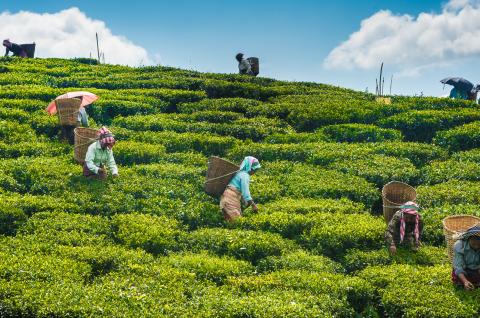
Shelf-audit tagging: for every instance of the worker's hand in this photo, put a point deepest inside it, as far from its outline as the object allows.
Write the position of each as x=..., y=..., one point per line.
x=254, y=207
x=115, y=175
x=101, y=171
x=393, y=249
x=468, y=286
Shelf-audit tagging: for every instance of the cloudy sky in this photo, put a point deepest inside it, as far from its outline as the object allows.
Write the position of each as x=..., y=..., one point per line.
x=336, y=42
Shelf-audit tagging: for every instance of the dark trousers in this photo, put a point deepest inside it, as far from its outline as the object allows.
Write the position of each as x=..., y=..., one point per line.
x=68, y=133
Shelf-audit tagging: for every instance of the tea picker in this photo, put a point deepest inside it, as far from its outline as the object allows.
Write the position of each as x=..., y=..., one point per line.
x=100, y=155
x=466, y=259
x=249, y=66
x=71, y=111
x=405, y=227
x=232, y=183
x=462, y=88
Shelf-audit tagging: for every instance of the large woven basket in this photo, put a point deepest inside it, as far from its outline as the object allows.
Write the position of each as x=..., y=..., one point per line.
x=454, y=225
x=395, y=194
x=84, y=137
x=29, y=49
x=67, y=109
x=255, y=65
x=219, y=174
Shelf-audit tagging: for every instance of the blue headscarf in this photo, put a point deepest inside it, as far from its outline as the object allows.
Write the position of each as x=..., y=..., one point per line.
x=473, y=231
x=249, y=164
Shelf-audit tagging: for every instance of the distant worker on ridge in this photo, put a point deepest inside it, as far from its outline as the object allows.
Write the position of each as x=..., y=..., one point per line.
x=244, y=66
x=16, y=49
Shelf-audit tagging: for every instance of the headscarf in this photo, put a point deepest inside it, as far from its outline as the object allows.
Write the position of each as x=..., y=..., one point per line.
x=473, y=231
x=250, y=163
x=411, y=208
x=105, y=137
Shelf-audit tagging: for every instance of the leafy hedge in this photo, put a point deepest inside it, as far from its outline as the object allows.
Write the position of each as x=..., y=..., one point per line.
x=421, y=125
x=247, y=245
x=464, y=137
x=360, y=133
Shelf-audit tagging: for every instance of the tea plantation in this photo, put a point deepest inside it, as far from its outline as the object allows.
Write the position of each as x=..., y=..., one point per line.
x=151, y=243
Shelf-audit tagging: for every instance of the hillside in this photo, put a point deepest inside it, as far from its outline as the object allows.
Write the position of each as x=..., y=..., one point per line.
x=151, y=243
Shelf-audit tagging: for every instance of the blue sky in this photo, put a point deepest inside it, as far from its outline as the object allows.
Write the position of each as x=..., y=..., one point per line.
x=292, y=38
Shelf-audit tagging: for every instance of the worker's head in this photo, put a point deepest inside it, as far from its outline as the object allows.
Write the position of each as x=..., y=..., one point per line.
x=410, y=211
x=474, y=242
x=250, y=165
x=7, y=43
x=239, y=56
x=106, y=138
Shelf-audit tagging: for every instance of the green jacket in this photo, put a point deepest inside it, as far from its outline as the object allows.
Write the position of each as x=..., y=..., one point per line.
x=97, y=157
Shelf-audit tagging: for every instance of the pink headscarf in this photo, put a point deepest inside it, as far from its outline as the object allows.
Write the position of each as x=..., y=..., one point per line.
x=106, y=138
x=411, y=208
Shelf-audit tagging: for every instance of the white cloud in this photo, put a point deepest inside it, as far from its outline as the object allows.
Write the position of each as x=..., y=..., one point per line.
x=70, y=33
x=412, y=42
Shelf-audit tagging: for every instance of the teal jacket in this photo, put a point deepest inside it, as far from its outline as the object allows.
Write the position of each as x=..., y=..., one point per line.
x=241, y=181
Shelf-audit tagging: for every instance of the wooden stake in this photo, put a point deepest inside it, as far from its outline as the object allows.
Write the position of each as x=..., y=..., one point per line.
x=98, y=50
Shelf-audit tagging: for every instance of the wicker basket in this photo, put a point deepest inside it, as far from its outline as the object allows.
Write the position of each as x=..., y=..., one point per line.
x=395, y=194
x=456, y=224
x=255, y=65
x=67, y=109
x=219, y=174
x=84, y=137
x=29, y=49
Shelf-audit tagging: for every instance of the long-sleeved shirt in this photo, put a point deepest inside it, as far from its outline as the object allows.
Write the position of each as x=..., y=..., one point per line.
x=392, y=234
x=83, y=117
x=465, y=257
x=244, y=67
x=96, y=157
x=241, y=181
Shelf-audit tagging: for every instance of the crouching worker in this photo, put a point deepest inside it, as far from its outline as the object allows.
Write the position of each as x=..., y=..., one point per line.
x=239, y=189
x=405, y=227
x=99, y=155
x=466, y=259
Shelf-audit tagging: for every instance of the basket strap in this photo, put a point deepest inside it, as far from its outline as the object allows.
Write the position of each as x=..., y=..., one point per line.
x=225, y=175
x=413, y=207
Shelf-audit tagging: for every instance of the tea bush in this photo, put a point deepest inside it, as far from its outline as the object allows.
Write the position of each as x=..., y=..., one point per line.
x=209, y=267
x=300, y=260
x=247, y=245
x=421, y=125
x=464, y=137
x=154, y=234
x=334, y=233
x=355, y=259
x=151, y=243
x=360, y=133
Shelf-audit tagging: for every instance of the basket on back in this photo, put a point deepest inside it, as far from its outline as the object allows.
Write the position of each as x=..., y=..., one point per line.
x=219, y=174
x=67, y=109
x=29, y=49
x=395, y=194
x=84, y=137
x=255, y=65
x=454, y=225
